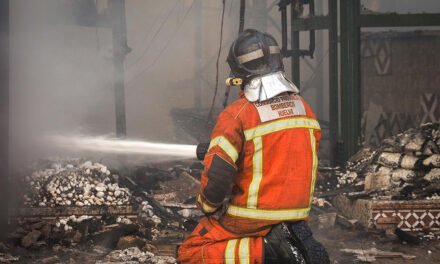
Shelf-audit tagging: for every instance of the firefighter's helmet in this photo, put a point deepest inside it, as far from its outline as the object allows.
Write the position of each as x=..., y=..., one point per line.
x=255, y=60
x=253, y=54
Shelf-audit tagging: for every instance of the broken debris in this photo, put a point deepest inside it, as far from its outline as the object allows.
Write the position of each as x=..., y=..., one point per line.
x=7, y=258
x=370, y=255
x=72, y=183
x=135, y=255
x=404, y=167
x=67, y=211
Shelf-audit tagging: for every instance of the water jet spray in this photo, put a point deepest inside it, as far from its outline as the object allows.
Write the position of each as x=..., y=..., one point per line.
x=124, y=146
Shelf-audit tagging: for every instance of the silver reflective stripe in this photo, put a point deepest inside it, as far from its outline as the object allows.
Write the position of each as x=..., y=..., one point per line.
x=243, y=251
x=262, y=214
x=256, y=54
x=279, y=125
x=257, y=174
x=226, y=146
x=274, y=49
x=230, y=251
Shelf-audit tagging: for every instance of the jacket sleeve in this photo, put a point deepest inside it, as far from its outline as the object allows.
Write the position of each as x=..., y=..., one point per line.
x=220, y=162
x=317, y=134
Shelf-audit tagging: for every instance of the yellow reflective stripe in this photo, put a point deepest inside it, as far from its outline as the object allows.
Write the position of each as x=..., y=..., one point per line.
x=262, y=214
x=279, y=125
x=206, y=208
x=257, y=163
x=230, y=252
x=227, y=147
x=243, y=251
x=314, y=164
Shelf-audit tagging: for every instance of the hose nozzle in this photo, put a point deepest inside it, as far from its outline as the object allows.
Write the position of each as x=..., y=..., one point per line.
x=202, y=149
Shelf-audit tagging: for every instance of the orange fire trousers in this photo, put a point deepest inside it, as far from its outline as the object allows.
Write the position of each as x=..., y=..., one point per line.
x=211, y=243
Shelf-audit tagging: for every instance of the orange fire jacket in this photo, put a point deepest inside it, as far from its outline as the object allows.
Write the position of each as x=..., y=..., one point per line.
x=263, y=154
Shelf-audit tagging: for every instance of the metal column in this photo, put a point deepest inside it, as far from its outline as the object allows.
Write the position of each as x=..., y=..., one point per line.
x=334, y=80
x=311, y=24
x=198, y=50
x=294, y=34
x=120, y=49
x=345, y=85
x=4, y=115
x=350, y=77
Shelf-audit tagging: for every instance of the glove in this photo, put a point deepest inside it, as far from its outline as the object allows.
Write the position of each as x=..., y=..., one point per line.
x=206, y=207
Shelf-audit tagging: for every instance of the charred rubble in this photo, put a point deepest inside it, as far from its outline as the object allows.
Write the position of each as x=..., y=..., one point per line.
x=74, y=205
x=79, y=211
x=388, y=195
x=83, y=184
x=404, y=167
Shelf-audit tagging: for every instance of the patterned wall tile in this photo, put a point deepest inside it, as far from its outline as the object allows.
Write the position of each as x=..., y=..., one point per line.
x=383, y=58
x=430, y=107
x=410, y=220
x=389, y=124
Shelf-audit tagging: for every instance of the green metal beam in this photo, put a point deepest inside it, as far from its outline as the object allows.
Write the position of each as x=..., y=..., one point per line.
x=399, y=20
x=345, y=123
x=350, y=76
x=295, y=47
x=311, y=23
x=345, y=92
x=333, y=80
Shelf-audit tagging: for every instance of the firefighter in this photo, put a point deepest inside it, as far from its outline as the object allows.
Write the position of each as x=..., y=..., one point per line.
x=260, y=169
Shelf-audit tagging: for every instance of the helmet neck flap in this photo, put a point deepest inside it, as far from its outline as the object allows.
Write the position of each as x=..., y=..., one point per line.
x=265, y=87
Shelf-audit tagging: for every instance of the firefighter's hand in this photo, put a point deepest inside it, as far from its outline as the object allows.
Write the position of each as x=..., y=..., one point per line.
x=207, y=208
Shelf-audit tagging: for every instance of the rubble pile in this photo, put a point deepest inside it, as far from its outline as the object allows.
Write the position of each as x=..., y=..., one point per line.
x=74, y=184
x=106, y=230
x=77, y=205
x=135, y=255
x=405, y=166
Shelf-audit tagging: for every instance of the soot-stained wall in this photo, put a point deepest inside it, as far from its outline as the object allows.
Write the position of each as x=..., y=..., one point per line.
x=400, y=82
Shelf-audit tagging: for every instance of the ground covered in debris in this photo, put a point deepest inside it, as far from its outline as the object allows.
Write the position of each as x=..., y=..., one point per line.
x=81, y=211
x=401, y=178
x=337, y=238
